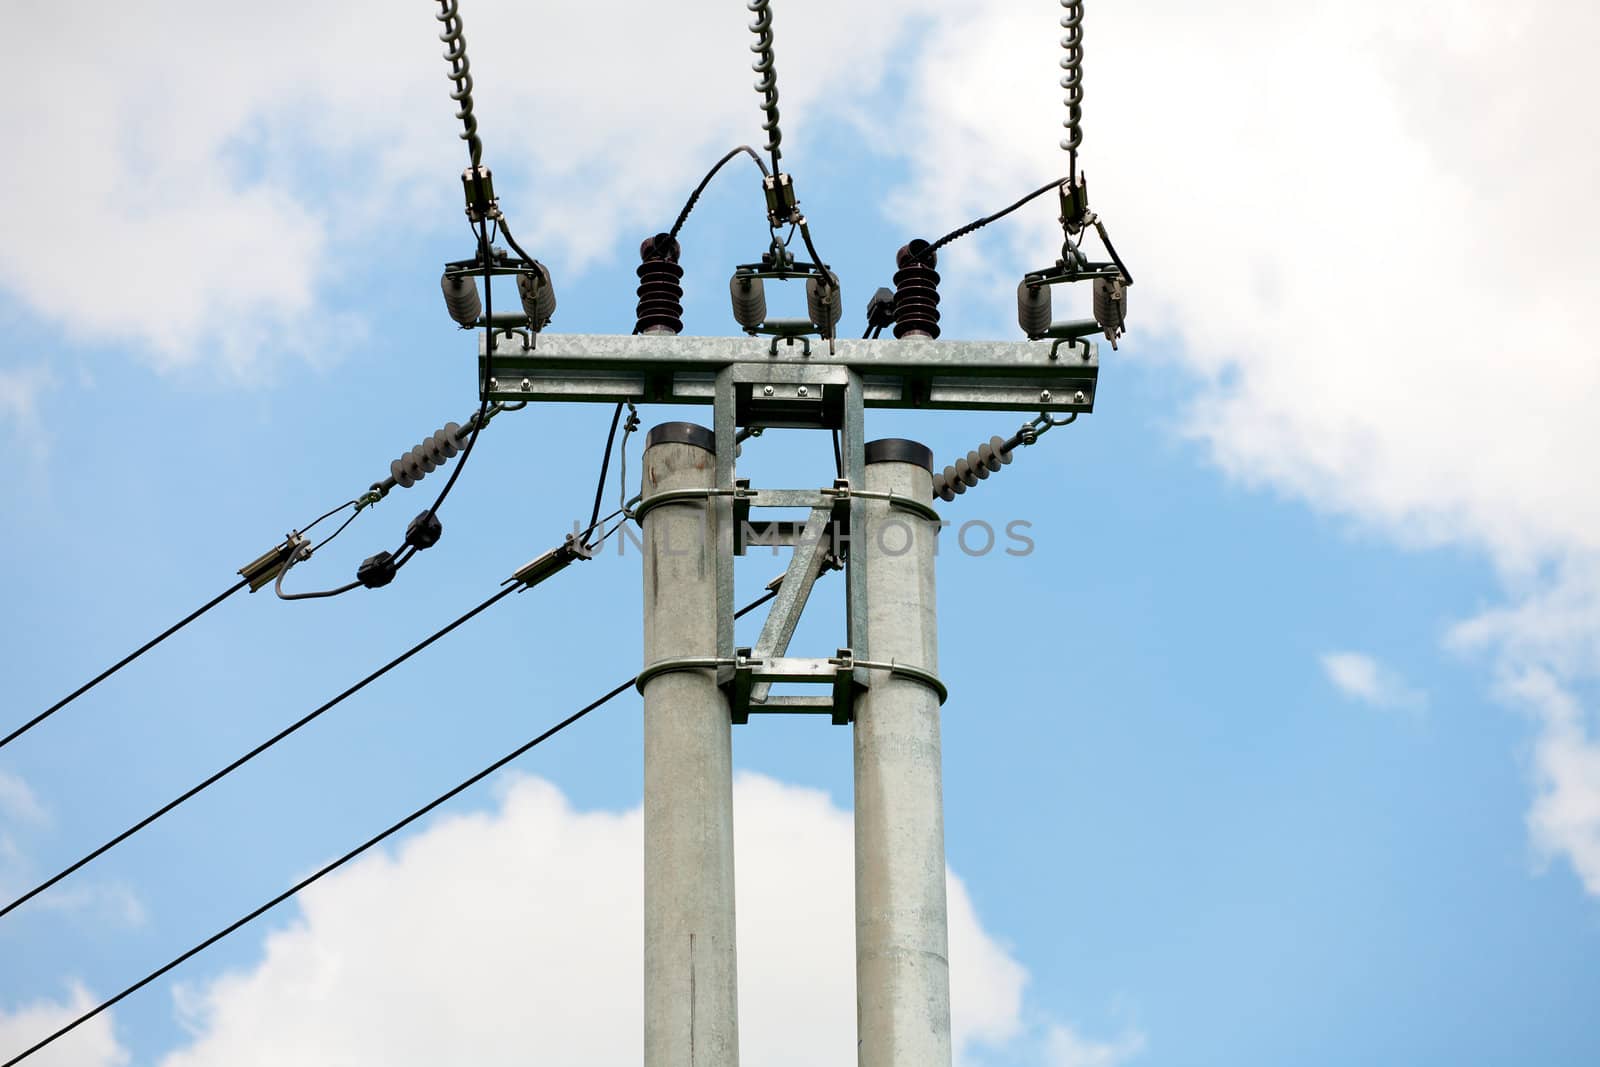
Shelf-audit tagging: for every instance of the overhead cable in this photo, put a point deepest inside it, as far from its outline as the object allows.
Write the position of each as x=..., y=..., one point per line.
x=449, y=794
x=325, y=870
x=123, y=662
x=528, y=576
x=683, y=216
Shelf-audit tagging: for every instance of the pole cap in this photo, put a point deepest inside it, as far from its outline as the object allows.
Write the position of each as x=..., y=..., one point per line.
x=683, y=433
x=899, y=450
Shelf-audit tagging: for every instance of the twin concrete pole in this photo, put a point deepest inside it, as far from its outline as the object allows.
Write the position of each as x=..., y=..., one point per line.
x=902, y=955
x=902, y=947
x=691, y=983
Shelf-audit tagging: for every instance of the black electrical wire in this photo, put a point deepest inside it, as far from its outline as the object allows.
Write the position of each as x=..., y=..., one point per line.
x=838, y=457
x=125, y=660
x=683, y=216
x=978, y=224
x=605, y=464
x=321, y=872
x=521, y=750
x=254, y=752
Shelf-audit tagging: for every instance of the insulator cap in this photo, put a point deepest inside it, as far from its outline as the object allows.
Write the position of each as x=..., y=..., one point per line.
x=1033, y=308
x=749, y=300
x=898, y=450
x=537, y=293
x=660, y=286
x=683, y=433
x=461, y=299
x=823, y=301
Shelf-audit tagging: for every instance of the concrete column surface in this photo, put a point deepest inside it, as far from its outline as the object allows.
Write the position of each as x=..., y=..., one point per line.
x=902, y=943
x=690, y=979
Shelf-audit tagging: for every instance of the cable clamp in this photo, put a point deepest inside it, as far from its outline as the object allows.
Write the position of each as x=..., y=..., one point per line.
x=783, y=207
x=678, y=664
x=270, y=564
x=554, y=561
x=915, y=674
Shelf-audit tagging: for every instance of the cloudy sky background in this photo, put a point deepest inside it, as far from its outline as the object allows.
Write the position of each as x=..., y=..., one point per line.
x=1283, y=743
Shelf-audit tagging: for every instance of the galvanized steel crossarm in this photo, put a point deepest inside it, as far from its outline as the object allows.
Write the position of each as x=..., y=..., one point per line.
x=902, y=373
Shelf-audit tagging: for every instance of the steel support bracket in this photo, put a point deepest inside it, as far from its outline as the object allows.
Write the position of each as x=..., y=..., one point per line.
x=837, y=672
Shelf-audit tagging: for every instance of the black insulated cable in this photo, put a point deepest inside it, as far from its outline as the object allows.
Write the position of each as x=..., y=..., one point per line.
x=683, y=216
x=524, y=578
x=125, y=660
x=978, y=224
x=327, y=869
x=376, y=839
x=213, y=779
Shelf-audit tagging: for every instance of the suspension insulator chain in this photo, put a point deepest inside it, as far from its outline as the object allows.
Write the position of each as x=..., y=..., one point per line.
x=971, y=469
x=427, y=457
x=1072, y=82
x=768, y=85
x=455, y=53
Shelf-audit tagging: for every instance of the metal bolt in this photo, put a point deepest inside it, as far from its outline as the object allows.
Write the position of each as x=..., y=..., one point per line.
x=1044, y=396
x=527, y=386
x=803, y=391
x=766, y=390
x=494, y=385
x=1080, y=397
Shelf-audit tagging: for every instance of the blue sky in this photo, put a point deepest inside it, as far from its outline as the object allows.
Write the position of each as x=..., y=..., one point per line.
x=1279, y=746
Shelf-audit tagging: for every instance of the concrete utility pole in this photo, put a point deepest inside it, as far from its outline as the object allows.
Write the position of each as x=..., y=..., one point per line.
x=691, y=1007
x=902, y=948
x=877, y=521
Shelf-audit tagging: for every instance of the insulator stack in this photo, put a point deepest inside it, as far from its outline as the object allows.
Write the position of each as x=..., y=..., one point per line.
x=916, y=291
x=1110, y=307
x=749, y=301
x=431, y=454
x=461, y=299
x=660, y=286
x=1033, y=308
x=971, y=469
x=823, y=302
x=538, y=294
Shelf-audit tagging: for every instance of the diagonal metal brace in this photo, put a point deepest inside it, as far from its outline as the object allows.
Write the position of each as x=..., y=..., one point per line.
x=811, y=554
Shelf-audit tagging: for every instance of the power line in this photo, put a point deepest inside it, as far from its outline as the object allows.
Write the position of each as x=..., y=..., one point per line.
x=683, y=216
x=618, y=690
x=526, y=577
x=216, y=777
x=614, y=692
x=124, y=661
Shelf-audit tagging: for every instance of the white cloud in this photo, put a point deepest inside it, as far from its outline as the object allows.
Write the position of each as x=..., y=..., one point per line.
x=20, y=389
x=18, y=802
x=1065, y=1047
x=1363, y=678
x=1367, y=227
x=91, y=1045
x=109, y=901
x=210, y=168
x=491, y=934
x=1367, y=230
